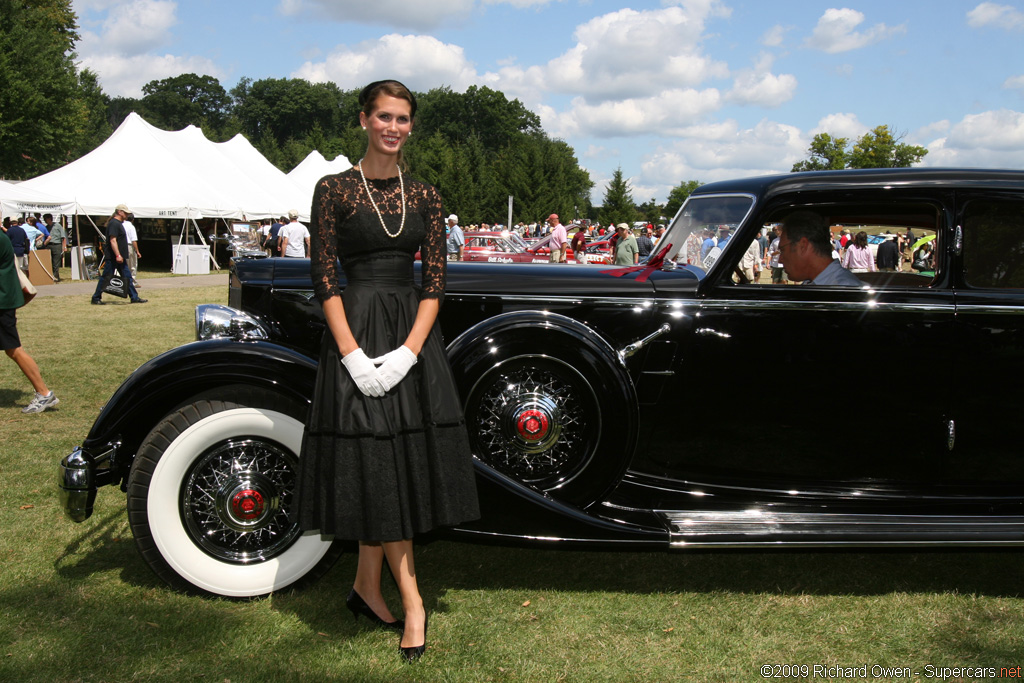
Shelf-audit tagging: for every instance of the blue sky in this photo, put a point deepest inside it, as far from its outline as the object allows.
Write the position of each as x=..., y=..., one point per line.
x=668, y=91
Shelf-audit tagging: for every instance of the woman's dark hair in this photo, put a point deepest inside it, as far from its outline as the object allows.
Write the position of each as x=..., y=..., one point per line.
x=861, y=240
x=368, y=97
x=369, y=94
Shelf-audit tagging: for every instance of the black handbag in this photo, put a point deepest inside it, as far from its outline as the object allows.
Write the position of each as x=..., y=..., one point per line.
x=115, y=284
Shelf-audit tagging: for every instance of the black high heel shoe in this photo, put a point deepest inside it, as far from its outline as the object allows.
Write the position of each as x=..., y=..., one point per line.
x=411, y=654
x=356, y=605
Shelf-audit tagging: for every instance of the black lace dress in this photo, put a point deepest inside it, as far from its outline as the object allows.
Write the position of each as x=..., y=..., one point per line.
x=382, y=469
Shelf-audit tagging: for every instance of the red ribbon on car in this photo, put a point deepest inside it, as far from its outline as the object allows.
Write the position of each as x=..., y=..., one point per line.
x=653, y=264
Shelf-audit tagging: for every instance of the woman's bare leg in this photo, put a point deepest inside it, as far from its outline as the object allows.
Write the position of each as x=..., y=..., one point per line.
x=367, y=583
x=399, y=556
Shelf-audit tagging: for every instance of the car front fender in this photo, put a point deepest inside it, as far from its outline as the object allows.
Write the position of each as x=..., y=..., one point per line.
x=161, y=384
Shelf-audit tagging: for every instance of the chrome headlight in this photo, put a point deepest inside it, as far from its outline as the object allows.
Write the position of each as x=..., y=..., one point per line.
x=214, y=321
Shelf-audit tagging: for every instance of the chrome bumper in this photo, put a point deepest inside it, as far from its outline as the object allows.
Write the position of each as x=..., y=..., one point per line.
x=80, y=474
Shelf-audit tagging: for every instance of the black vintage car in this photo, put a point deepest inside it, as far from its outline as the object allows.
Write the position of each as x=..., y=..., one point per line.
x=659, y=406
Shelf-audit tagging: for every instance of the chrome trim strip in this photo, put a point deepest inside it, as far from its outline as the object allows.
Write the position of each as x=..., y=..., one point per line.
x=678, y=545
x=849, y=306
x=982, y=309
x=687, y=527
x=614, y=541
x=644, y=302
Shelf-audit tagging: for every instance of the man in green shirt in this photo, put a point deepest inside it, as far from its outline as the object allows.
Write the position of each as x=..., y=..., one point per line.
x=57, y=243
x=626, y=251
x=11, y=298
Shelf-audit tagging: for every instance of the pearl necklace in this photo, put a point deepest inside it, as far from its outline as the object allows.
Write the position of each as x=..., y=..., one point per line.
x=401, y=183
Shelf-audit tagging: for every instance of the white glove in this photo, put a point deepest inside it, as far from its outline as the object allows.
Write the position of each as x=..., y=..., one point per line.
x=366, y=376
x=394, y=366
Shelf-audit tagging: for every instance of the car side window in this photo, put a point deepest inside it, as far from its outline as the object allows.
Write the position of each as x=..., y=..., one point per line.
x=890, y=245
x=994, y=243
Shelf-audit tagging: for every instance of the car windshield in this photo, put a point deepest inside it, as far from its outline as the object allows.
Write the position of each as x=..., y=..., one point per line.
x=703, y=227
x=518, y=241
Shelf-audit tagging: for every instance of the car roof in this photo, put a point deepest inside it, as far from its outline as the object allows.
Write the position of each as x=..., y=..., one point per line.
x=875, y=177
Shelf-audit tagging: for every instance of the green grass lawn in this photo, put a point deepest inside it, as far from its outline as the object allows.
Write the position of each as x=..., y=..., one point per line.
x=78, y=603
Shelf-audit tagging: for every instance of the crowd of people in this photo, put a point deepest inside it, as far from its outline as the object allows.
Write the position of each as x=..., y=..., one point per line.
x=37, y=232
x=896, y=252
x=627, y=245
x=285, y=237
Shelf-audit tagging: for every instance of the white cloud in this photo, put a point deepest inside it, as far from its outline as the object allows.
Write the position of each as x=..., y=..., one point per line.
x=1014, y=83
x=931, y=130
x=999, y=129
x=758, y=86
x=839, y=126
x=723, y=150
x=626, y=54
x=517, y=3
x=136, y=27
x=662, y=115
x=835, y=31
x=773, y=37
x=421, y=62
x=422, y=15
x=990, y=139
x=992, y=14
x=124, y=76
x=120, y=48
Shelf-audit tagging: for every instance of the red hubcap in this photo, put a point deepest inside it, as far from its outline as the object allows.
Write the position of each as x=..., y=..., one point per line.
x=247, y=504
x=532, y=425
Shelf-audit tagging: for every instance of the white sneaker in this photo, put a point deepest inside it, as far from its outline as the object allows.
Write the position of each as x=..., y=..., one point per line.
x=41, y=403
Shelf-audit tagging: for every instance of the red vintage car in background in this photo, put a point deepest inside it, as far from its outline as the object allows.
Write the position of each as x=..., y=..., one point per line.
x=495, y=246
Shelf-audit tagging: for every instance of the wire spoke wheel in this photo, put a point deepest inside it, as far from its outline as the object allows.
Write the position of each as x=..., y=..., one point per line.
x=536, y=419
x=236, y=500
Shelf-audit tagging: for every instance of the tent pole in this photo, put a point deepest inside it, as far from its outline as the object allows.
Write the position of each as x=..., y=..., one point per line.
x=200, y=233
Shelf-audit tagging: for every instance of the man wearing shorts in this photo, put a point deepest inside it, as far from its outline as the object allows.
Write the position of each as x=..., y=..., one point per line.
x=12, y=298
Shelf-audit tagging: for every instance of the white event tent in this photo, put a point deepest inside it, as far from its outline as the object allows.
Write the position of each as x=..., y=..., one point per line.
x=314, y=167
x=179, y=174
x=15, y=198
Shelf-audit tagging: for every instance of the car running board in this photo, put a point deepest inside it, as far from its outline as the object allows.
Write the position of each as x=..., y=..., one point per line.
x=758, y=528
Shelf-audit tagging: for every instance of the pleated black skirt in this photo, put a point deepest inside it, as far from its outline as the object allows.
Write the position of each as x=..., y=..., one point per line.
x=385, y=469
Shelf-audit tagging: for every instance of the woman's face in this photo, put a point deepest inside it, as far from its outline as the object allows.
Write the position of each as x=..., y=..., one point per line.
x=388, y=125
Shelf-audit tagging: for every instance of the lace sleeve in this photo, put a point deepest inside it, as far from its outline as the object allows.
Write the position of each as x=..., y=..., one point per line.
x=434, y=253
x=323, y=240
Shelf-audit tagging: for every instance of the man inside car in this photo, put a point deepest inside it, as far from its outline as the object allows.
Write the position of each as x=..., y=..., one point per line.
x=806, y=252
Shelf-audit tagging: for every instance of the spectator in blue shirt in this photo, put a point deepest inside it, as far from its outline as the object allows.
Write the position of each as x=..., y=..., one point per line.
x=19, y=241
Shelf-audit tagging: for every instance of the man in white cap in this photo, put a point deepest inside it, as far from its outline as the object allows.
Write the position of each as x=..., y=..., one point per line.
x=456, y=239
x=115, y=257
x=294, y=237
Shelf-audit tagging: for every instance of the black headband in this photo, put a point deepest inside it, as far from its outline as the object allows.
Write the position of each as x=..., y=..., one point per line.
x=364, y=95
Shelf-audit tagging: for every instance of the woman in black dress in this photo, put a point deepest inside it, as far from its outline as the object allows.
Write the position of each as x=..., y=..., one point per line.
x=385, y=453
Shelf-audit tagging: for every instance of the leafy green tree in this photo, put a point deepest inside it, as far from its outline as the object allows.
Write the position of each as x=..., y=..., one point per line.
x=92, y=120
x=826, y=153
x=479, y=112
x=285, y=109
x=40, y=98
x=879, y=148
x=118, y=109
x=174, y=103
x=650, y=211
x=618, y=200
x=678, y=195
